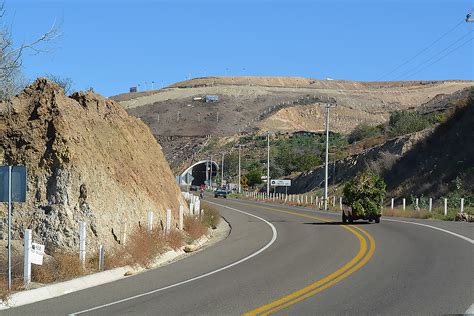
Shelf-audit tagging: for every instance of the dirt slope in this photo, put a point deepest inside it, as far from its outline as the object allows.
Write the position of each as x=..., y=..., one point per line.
x=87, y=160
x=280, y=104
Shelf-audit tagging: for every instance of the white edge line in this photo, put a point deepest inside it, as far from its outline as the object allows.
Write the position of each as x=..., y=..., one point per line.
x=470, y=310
x=274, y=231
x=433, y=227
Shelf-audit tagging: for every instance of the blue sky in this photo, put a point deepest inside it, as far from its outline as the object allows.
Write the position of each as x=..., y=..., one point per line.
x=112, y=45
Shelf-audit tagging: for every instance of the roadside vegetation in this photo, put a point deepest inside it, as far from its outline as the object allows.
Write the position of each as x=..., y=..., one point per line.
x=141, y=250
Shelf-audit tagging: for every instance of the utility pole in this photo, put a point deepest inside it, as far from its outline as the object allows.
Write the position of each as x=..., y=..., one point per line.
x=268, y=163
x=240, y=147
x=222, y=171
x=210, y=176
x=207, y=171
x=328, y=106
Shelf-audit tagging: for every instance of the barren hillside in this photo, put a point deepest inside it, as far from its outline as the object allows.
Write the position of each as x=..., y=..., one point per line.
x=87, y=160
x=280, y=104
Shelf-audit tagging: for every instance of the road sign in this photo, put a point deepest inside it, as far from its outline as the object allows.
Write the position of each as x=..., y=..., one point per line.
x=36, y=253
x=18, y=182
x=280, y=183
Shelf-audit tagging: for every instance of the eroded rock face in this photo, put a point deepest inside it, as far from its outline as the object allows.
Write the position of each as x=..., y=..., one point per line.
x=87, y=160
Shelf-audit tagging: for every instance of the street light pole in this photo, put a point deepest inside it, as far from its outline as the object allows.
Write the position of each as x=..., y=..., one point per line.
x=240, y=147
x=268, y=164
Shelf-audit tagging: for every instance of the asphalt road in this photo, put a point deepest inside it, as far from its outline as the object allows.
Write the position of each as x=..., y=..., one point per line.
x=294, y=261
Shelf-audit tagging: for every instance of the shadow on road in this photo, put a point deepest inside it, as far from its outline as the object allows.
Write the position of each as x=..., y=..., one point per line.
x=336, y=223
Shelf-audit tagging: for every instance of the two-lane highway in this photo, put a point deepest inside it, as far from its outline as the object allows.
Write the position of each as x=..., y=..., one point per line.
x=280, y=259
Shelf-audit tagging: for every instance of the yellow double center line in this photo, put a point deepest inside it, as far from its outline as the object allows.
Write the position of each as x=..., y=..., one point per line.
x=366, y=251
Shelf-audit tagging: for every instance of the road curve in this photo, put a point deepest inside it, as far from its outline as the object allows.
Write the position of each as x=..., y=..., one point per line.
x=307, y=264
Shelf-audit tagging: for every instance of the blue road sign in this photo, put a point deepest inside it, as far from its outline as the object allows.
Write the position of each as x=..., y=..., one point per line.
x=18, y=184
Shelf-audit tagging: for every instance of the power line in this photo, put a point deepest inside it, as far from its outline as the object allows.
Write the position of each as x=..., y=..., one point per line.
x=445, y=55
x=422, y=51
x=432, y=57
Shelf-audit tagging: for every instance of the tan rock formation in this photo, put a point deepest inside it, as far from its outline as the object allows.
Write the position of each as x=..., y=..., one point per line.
x=87, y=160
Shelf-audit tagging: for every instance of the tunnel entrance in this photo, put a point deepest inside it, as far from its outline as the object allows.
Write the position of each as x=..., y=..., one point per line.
x=198, y=171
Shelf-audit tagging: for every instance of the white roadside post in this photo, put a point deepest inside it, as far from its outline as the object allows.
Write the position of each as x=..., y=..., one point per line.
x=462, y=205
x=27, y=261
x=340, y=203
x=150, y=221
x=334, y=201
x=101, y=257
x=392, y=203
x=431, y=205
x=404, y=203
x=317, y=201
x=311, y=200
x=181, y=217
x=82, y=243
x=445, y=207
x=191, y=208
x=416, y=204
x=168, y=221
x=123, y=238
x=306, y=197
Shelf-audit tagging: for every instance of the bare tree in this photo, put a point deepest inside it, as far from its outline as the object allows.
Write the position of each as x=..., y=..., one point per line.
x=11, y=56
x=63, y=82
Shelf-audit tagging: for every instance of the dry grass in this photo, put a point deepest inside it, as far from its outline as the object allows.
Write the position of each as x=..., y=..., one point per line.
x=175, y=239
x=211, y=216
x=406, y=213
x=143, y=246
x=193, y=227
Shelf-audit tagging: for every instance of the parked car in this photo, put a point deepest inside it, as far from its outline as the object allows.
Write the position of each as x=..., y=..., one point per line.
x=220, y=192
x=193, y=187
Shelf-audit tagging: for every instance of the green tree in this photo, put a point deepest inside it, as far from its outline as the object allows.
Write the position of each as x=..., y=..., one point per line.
x=363, y=131
x=364, y=193
x=406, y=122
x=254, y=177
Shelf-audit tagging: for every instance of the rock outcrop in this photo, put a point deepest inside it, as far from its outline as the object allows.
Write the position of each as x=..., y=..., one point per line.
x=87, y=160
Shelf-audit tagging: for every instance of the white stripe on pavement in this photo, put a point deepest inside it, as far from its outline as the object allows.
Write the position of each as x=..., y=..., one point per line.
x=274, y=232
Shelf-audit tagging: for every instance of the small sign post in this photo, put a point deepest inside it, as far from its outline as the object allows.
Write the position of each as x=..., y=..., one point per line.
x=12, y=189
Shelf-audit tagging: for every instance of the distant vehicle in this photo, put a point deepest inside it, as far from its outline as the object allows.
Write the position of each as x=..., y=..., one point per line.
x=193, y=187
x=212, y=98
x=220, y=192
x=349, y=216
x=133, y=89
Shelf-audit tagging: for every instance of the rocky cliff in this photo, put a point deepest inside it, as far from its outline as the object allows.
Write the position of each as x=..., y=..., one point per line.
x=87, y=160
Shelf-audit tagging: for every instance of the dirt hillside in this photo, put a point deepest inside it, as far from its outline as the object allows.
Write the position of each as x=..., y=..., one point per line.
x=279, y=104
x=87, y=160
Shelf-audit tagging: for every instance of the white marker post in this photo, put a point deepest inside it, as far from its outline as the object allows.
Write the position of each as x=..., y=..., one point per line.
x=340, y=203
x=82, y=243
x=416, y=204
x=462, y=205
x=445, y=207
x=392, y=203
x=181, y=217
x=101, y=257
x=404, y=203
x=150, y=221
x=27, y=261
x=168, y=221
x=431, y=205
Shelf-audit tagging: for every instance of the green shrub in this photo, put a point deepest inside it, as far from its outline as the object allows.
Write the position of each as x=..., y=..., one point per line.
x=363, y=131
x=364, y=193
x=406, y=122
